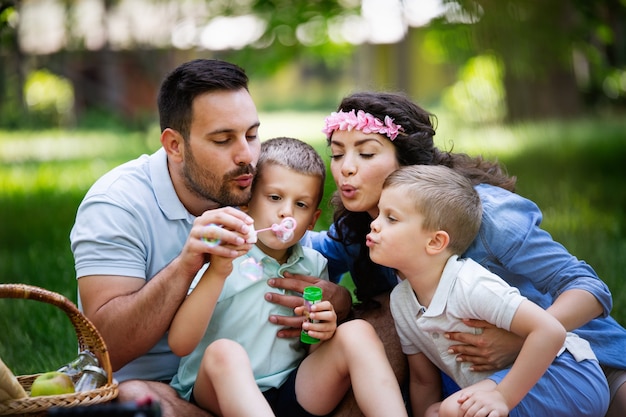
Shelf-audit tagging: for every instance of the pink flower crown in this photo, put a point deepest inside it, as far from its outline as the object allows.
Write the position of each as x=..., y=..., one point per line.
x=362, y=121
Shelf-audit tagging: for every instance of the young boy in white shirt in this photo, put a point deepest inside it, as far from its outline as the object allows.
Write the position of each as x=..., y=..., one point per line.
x=428, y=216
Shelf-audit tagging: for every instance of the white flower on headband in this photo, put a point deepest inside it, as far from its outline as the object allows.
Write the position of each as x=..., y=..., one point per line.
x=362, y=121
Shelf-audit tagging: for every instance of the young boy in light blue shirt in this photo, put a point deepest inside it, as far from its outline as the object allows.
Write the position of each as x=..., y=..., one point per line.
x=233, y=364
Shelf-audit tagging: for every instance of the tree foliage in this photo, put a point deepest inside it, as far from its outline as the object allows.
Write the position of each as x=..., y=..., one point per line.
x=556, y=54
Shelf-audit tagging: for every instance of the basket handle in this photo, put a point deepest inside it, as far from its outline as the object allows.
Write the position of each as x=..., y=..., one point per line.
x=86, y=333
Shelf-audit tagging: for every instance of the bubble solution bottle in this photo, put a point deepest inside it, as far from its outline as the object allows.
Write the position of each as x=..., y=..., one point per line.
x=311, y=296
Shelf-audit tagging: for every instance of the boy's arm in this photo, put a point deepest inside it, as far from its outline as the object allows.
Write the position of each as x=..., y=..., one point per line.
x=192, y=318
x=424, y=383
x=544, y=336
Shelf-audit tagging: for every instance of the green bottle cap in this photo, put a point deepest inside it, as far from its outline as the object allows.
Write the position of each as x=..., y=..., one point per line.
x=312, y=293
x=305, y=338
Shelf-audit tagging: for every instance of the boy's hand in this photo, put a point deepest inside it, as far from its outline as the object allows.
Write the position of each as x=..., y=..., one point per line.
x=483, y=403
x=324, y=315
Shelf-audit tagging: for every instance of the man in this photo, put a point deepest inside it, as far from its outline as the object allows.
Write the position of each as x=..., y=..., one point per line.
x=141, y=232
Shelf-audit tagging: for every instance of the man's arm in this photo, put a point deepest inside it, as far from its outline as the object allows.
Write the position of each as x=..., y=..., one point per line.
x=339, y=297
x=132, y=314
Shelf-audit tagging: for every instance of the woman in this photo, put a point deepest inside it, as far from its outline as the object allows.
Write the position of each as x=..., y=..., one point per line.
x=370, y=136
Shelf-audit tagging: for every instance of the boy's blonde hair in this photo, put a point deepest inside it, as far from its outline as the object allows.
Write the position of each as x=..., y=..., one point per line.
x=445, y=198
x=295, y=155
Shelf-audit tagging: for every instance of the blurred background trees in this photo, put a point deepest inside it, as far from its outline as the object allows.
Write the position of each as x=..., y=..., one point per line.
x=68, y=62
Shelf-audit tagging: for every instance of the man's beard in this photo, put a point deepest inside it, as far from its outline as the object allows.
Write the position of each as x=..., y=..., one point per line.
x=207, y=185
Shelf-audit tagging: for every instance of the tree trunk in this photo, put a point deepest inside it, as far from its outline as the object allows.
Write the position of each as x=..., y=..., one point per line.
x=532, y=40
x=553, y=96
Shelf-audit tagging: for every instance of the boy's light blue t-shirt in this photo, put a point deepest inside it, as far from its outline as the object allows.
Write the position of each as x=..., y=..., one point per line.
x=241, y=314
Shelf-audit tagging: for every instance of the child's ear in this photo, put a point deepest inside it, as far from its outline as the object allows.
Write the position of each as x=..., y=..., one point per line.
x=438, y=242
x=314, y=219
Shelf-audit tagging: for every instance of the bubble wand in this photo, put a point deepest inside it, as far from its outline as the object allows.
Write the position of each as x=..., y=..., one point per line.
x=252, y=269
x=284, y=230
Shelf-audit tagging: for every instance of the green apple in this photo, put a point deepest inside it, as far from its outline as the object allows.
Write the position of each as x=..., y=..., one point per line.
x=52, y=383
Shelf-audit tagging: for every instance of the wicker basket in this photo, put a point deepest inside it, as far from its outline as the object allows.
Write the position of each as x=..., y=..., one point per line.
x=88, y=339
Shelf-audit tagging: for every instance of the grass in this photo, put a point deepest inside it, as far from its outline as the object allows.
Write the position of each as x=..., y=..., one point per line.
x=574, y=171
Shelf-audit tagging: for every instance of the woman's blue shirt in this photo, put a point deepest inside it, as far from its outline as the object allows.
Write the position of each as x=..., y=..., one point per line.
x=511, y=244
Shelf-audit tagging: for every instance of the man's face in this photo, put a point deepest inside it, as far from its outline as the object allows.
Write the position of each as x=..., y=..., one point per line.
x=223, y=148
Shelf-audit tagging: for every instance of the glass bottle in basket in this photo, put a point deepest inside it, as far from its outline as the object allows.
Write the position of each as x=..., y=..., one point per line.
x=75, y=368
x=92, y=377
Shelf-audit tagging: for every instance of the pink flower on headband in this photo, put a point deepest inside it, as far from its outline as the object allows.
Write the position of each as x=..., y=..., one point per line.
x=362, y=121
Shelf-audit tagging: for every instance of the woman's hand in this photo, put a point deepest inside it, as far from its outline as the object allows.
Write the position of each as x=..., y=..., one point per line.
x=494, y=349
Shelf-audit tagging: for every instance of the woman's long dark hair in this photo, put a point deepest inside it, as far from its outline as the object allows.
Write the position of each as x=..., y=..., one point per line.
x=414, y=146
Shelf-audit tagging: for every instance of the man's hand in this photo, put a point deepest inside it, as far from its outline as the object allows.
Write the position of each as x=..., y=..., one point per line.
x=494, y=349
x=338, y=296
x=217, y=232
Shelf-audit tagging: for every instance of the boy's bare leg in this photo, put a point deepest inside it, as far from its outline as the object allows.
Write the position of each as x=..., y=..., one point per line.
x=171, y=404
x=225, y=383
x=354, y=356
x=382, y=321
x=224, y=361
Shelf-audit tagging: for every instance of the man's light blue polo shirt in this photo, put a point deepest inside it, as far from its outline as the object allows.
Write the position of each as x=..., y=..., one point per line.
x=131, y=223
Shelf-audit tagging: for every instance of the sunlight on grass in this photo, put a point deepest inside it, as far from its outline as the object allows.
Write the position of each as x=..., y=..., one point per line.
x=61, y=145
x=62, y=161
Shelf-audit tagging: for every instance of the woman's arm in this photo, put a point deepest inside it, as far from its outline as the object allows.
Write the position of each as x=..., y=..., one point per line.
x=575, y=308
x=339, y=259
x=512, y=245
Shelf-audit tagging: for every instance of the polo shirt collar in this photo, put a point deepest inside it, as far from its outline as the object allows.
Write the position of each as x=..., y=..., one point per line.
x=296, y=254
x=448, y=278
x=163, y=188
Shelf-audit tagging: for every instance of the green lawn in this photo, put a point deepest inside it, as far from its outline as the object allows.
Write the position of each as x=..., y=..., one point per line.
x=574, y=171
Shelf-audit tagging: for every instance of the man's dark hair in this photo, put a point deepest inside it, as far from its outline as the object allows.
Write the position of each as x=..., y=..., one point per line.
x=190, y=80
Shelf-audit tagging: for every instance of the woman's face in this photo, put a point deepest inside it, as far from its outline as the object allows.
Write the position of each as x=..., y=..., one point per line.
x=360, y=162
